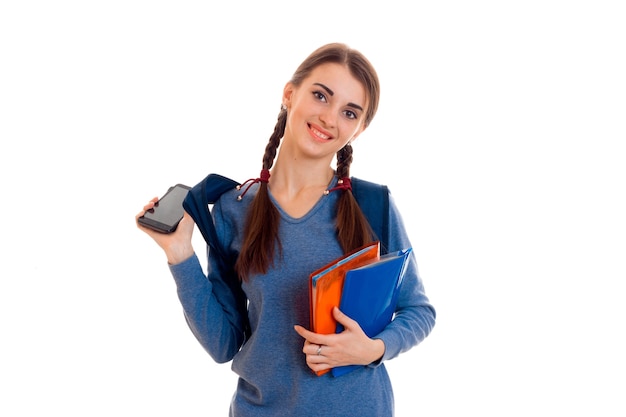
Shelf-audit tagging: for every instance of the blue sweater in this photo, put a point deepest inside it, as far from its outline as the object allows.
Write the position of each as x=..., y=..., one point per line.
x=274, y=379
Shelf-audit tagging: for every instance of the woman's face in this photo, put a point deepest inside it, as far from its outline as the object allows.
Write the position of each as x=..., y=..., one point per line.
x=325, y=112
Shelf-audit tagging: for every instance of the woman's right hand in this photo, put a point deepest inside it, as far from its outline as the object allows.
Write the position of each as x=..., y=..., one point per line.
x=177, y=245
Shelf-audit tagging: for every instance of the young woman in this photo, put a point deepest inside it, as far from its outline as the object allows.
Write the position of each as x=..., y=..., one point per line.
x=298, y=216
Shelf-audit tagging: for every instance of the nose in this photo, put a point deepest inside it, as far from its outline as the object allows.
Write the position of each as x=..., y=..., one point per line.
x=328, y=116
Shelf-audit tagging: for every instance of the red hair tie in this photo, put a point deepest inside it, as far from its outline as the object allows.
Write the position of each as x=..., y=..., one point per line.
x=265, y=178
x=342, y=184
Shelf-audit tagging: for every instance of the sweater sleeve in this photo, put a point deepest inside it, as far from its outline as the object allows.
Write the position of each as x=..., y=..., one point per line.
x=213, y=309
x=414, y=317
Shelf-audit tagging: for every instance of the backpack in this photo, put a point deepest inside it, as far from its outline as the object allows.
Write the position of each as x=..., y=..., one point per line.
x=372, y=198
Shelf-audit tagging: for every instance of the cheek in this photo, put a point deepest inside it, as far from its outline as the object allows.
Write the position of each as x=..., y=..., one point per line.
x=351, y=131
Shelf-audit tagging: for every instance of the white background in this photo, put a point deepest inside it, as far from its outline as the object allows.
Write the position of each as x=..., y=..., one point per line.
x=500, y=132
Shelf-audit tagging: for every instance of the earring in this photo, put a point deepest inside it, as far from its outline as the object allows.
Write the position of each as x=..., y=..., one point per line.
x=283, y=107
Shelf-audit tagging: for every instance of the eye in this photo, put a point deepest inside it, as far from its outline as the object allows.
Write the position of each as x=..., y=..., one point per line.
x=350, y=114
x=319, y=95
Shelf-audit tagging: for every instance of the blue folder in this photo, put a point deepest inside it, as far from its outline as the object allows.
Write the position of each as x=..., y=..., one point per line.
x=370, y=293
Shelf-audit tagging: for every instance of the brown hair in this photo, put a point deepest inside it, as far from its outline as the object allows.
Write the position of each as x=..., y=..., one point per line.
x=260, y=240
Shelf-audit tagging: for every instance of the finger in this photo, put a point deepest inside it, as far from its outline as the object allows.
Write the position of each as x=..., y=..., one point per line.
x=312, y=337
x=319, y=362
x=343, y=319
x=303, y=332
x=150, y=204
x=318, y=366
x=314, y=358
x=137, y=216
x=312, y=349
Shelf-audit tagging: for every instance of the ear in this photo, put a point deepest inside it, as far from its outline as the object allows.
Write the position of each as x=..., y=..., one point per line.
x=287, y=93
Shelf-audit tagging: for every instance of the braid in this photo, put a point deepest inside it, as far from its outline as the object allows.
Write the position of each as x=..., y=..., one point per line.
x=272, y=145
x=353, y=229
x=344, y=159
x=260, y=236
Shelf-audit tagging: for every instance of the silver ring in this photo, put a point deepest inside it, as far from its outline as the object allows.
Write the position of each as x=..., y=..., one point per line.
x=319, y=350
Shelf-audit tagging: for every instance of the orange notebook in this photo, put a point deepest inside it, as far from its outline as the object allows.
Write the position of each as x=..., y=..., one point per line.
x=326, y=284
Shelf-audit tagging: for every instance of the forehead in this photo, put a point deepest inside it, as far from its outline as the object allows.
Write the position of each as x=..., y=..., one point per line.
x=340, y=80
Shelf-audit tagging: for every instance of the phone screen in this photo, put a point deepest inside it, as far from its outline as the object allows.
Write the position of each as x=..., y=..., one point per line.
x=168, y=211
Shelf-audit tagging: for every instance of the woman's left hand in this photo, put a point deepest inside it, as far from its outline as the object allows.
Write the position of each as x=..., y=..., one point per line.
x=350, y=347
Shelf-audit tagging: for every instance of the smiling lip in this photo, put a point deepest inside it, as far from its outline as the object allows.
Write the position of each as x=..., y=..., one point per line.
x=319, y=133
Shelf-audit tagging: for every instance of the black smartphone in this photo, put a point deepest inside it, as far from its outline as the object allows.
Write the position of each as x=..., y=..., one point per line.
x=168, y=211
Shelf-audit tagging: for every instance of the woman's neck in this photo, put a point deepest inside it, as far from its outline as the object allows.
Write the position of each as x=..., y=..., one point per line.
x=291, y=177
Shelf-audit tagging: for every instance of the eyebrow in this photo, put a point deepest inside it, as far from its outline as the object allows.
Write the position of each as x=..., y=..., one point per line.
x=332, y=93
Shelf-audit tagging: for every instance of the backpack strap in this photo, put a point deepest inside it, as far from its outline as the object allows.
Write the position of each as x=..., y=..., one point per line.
x=372, y=198
x=206, y=192
x=196, y=203
x=374, y=202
